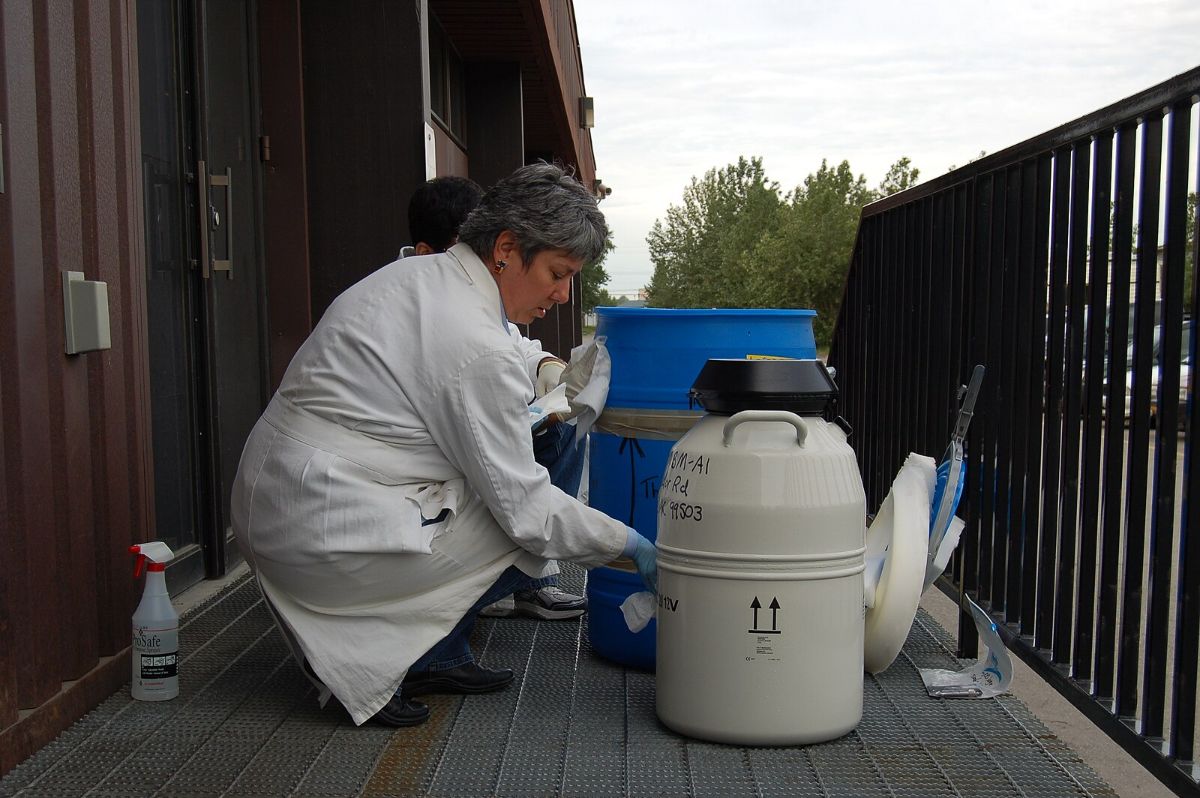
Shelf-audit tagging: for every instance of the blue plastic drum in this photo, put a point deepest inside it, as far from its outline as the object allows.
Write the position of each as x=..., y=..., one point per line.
x=656, y=355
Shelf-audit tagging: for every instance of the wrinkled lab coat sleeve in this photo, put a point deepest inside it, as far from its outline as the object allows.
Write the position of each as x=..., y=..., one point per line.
x=531, y=350
x=486, y=436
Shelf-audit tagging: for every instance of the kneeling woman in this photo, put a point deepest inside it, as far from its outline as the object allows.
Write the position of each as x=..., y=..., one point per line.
x=389, y=490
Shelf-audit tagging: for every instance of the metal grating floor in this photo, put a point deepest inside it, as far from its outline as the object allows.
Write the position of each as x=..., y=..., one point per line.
x=246, y=723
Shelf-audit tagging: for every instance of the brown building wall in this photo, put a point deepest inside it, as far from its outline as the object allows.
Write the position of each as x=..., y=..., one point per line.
x=364, y=127
x=347, y=127
x=73, y=470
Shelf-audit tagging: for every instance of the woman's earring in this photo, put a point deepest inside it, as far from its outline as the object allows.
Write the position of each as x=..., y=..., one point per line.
x=501, y=266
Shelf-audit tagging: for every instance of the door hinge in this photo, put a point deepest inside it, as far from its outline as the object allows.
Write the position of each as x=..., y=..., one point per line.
x=264, y=148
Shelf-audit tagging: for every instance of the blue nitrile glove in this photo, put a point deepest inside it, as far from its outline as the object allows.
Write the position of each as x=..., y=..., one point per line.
x=644, y=556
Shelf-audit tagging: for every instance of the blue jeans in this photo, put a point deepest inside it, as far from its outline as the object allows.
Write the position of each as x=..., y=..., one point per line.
x=454, y=649
x=556, y=451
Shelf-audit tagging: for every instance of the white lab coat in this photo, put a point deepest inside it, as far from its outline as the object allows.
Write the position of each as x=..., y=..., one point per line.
x=409, y=398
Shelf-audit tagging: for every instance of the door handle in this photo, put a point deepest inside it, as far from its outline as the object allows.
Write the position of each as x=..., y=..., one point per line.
x=210, y=219
x=226, y=182
x=202, y=208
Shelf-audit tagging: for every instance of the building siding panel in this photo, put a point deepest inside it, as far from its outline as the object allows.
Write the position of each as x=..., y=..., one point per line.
x=73, y=438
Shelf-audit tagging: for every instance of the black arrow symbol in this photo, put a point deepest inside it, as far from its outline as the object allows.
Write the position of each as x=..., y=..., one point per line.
x=774, y=610
x=754, y=605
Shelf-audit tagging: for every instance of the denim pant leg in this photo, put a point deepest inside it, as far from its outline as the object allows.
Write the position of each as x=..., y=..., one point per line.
x=557, y=452
x=454, y=649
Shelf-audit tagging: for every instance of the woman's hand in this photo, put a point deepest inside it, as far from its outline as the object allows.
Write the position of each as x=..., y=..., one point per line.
x=549, y=374
x=644, y=556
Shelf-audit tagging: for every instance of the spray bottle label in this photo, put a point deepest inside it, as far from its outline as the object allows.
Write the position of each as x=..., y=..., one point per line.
x=156, y=652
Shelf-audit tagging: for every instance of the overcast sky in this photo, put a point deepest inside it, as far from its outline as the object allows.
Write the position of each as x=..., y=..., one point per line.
x=682, y=87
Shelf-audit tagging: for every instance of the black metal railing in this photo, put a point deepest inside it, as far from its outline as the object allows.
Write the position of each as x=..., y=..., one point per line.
x=1061, y=265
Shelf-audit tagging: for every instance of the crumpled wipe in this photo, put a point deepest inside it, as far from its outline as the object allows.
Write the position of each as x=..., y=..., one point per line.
x=587, y=377
x=987, y=677
x=553, y=402
x=639, y=609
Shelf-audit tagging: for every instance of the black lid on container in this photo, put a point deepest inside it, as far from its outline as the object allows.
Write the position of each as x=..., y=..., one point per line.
x=728, y=386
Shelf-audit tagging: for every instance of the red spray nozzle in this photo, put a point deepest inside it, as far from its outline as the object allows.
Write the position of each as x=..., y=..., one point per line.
x=157, y=552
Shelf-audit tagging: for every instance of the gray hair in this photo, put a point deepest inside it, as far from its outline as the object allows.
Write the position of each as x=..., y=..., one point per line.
x=545, y=208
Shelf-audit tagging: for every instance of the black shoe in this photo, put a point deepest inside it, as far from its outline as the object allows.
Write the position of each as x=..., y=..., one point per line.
x=469, y=678
x=401, y=711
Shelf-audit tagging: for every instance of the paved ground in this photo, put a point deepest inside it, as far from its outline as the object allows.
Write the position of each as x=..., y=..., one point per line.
x=246, y=723
x=1121, y=771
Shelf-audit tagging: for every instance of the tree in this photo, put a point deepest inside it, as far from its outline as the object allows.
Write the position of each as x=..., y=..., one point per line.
x=902, y=175
x=735, y=242
x=803, y=261
x=696, y=250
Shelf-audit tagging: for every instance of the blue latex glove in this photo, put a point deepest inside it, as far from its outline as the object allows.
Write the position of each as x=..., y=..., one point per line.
x=644, y=556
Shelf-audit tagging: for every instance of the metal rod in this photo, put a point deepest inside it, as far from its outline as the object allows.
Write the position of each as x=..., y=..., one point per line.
x=1089, y=502
x=1064, y=609
x=1139, y=421
x=1162, y=519
x=1107, y=659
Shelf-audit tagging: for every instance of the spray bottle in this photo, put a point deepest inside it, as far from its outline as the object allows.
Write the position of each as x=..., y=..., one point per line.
x=155, y=628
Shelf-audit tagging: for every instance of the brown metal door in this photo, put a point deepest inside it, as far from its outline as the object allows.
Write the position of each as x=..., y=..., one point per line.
x=204, y=272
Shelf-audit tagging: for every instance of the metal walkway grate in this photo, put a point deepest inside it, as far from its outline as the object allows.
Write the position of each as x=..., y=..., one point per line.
x=246, y=724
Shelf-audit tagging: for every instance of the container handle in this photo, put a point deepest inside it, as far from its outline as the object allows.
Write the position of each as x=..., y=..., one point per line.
x=765, y=415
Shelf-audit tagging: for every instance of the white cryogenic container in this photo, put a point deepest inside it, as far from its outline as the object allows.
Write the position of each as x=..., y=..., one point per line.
x=761, y=545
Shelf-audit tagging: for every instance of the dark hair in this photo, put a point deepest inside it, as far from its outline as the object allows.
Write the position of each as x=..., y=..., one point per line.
x=545, y=208
x=437, y=209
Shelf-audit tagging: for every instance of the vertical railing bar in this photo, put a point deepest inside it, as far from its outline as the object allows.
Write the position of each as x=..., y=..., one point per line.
x=985, y=418
x=903, y=418
x=998, y=426
x=955, y=310
x=1187, y=650
x=887, y=244
x=1064, y=607
x=1040, y=259
x=1052, y=431
x=906, y=291
x=1137, y=482
x=941, y=333
x=918, y=323
x=1162, y=519
x=959, y=336
x=867, y=379
x=925, y=320
x=975, y=319
x=893, y=244
x=1108, y=660
x=1009, y=479
x=1084, y=659
x=894, y=314
x=997, y=345
x=1022, y=224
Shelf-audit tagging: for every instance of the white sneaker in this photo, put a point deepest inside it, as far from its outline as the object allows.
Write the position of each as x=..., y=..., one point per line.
x=549, y=604
x=504, y=608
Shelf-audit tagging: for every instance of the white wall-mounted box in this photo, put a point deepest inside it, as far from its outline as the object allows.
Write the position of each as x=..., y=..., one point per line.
x=85, y=314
